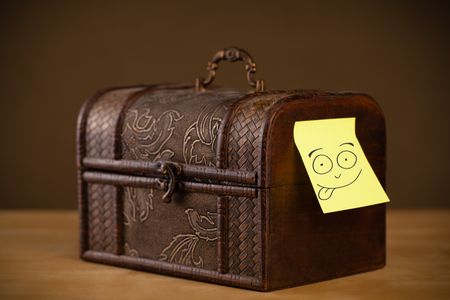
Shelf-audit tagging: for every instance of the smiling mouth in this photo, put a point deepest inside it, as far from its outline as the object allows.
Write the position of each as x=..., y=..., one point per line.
x=325, y=193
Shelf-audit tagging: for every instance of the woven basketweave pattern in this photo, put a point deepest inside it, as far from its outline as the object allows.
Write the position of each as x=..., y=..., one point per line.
x=101, y=123
x=100, y=140
x=101, y=218
x=244, y=153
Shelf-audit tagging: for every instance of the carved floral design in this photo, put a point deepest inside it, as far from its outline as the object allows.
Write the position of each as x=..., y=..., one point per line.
x=146, y=136
x=130, y=251
x=139, y=203
x=199, y=141
x=181, y=249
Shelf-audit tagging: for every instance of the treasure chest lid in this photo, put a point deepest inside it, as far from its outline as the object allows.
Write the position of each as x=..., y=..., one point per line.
x=197, y=132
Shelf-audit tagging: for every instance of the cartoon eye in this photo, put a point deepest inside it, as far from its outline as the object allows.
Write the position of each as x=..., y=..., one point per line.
x=322, y=164
x=346, y=159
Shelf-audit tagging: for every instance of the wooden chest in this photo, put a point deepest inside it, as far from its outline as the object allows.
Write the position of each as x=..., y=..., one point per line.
x=206, y=183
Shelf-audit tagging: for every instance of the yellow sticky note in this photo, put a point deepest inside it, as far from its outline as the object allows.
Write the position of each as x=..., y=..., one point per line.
x=340, y=174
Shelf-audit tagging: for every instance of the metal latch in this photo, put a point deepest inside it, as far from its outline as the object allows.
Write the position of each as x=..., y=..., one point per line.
x=171, y=170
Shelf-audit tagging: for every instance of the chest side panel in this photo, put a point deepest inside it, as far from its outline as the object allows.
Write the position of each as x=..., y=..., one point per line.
x=306, y=245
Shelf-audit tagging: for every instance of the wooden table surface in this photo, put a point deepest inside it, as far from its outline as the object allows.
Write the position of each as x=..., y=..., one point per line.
x=39, y=260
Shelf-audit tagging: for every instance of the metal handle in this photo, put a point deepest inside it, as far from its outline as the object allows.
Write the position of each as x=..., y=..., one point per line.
x=231, y=55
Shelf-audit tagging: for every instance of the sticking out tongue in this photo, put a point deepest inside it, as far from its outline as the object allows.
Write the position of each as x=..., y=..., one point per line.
x=325, y=193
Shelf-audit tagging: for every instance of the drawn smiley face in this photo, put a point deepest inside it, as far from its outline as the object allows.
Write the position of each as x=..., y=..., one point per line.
x=335, y=170
x=336, y=164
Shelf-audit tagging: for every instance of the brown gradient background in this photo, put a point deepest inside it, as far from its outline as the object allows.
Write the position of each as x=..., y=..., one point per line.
x=54, y=54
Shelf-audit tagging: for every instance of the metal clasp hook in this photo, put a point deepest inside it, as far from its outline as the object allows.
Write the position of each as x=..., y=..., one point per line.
x=170, y=169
